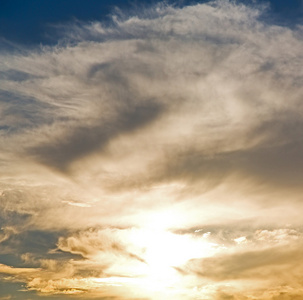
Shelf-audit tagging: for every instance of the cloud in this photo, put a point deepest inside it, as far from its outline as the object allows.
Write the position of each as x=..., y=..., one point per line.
x=93, y=93
x=92, y=243
x=13, y=271
x=241, y=270
x=82, y=141
x=186, y=120
x=6, y=298
x=258, y=264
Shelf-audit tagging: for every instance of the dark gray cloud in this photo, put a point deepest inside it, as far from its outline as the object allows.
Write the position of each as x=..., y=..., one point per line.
x=269, y=165
x=81, y=141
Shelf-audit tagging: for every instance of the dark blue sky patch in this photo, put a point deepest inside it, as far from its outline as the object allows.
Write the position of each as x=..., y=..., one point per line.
x=36, y=243
x=30, y=22
x=10, y=259
x=10, y=218
x=283, y=13
x=17, y=291
x=13, y=288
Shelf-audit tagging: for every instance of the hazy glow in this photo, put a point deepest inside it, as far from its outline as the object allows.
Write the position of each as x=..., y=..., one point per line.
x=165, y=250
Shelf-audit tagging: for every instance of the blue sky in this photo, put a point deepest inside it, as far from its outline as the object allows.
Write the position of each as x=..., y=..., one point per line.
x=30, y=21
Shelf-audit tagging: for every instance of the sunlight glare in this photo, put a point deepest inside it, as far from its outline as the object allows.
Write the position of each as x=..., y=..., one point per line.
x=165, y=250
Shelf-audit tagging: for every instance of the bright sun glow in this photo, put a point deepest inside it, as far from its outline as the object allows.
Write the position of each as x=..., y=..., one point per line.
x=166, y=250
x=162, y=254
x=163, y=251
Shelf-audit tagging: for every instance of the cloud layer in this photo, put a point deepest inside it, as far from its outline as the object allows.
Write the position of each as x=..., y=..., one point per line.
x=174, y=124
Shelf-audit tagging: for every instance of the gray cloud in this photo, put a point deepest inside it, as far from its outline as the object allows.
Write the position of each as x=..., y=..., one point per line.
x=258, y=264
x=82, y=141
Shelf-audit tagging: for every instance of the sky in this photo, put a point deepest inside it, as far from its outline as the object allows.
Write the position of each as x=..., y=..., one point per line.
x=151, y=150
